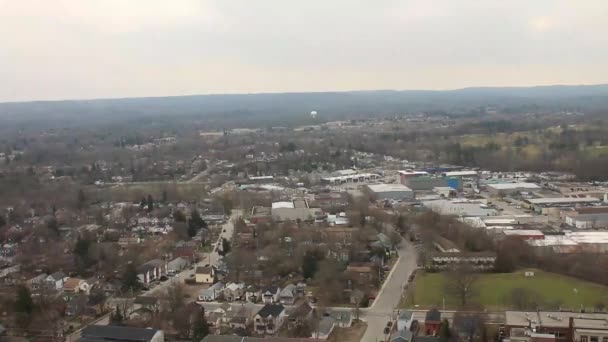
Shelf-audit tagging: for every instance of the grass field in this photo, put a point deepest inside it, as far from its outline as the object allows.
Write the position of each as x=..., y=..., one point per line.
x=493, y=290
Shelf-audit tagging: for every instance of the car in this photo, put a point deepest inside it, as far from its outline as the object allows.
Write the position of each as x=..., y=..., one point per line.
x=163, y=278
x=191, y=276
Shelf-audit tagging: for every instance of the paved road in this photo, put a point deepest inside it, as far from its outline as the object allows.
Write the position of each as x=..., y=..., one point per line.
x=389, y=296
x=212, y=258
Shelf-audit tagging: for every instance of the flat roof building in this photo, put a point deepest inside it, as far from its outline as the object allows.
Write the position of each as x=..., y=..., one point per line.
x=390, y=191
x=499, y=189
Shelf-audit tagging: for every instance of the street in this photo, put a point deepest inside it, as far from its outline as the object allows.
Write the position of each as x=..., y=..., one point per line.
x=390, y=294
x=212, y=258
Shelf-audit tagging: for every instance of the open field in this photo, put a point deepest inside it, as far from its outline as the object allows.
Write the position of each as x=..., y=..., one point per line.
x=493, y=291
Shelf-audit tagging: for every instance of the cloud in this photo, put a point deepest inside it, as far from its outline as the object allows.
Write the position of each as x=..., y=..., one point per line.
x=99, y=48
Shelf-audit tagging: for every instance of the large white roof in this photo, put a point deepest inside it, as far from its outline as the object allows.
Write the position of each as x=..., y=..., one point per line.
x=563, y=200
x=277, y=205
x=510, y=186
x=388, y=187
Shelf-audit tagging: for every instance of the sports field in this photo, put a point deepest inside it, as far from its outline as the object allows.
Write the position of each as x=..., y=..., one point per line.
x=493, y=291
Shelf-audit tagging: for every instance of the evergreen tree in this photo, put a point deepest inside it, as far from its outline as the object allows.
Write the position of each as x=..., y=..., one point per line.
x=130, y=281
x=198, y=220
x=53, y=226
x=444, y=331
x=200, y=328
x=24, y=303
x=179, y=216
x=142, y=203
x=150, y=203
x=81, y=200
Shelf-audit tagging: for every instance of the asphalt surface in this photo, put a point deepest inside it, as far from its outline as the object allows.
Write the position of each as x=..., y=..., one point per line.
x=382, y=309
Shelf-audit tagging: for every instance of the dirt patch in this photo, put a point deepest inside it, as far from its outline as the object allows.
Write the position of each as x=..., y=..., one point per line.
x=352, y=334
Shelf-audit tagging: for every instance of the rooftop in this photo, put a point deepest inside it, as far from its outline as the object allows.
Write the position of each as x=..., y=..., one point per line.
x=116, y=333
x=563, y=200
x=512, y=186
x=388, y=187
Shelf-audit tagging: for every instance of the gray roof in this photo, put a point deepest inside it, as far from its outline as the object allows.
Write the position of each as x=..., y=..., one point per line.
x=116, y=333
x=326, y=325
x=58, y=275
x=403, y=335
x=405, y=315
x=273, y=310
x=433, y=315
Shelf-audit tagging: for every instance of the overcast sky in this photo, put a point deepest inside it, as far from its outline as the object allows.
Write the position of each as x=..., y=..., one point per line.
x=69, y=49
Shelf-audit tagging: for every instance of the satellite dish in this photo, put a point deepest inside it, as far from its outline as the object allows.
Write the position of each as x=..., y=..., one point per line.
x=313, y=114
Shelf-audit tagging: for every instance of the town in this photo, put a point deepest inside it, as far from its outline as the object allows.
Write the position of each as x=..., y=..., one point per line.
x=284, y=233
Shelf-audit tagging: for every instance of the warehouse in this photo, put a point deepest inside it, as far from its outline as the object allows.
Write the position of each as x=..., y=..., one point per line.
x=588, y=221
x=396, y=192
x=501, y=189
x=459, y=208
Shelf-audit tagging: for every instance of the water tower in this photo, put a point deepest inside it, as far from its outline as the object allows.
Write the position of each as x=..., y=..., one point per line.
x=313, y=114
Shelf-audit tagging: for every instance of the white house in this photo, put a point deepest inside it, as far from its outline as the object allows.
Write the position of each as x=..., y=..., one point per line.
x=56, y=280
x=212, y=293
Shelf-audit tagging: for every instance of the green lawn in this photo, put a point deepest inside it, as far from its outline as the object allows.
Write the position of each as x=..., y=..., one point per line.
x=493, y=290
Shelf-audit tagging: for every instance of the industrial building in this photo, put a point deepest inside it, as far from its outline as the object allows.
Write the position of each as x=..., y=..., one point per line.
x=396, y=192
x=588, y=221
x=352, y=178
x=427, y=183
x=294, y=210
x=502, y=189
x=459, y=208
x=553, y=205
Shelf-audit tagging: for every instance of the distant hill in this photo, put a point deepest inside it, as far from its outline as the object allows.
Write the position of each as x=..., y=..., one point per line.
x=331, y=105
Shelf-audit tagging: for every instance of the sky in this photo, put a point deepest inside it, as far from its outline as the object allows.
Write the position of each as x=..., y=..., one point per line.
x=77, y=49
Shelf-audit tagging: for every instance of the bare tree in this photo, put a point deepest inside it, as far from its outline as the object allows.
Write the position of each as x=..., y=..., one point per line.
x=460, y=283
x=469, y=325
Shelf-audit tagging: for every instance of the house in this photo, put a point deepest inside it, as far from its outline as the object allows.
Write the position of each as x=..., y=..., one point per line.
x=253, y=293
x=298, y=315
x=204, y=275
x=55, y=281
x=146, y=302
x=211, y=293
x=100, y=333
x=177, y=264
x=35, y=283
x=270, y=295
x=402, y=336
x=288, y=295
x=432, y=322
x=325, y=327
x=361, y=271
x=234, y=291
x=79, y=305
x=151, y=270
x=404, y=321
x=186, y=252
x=344, y=318
x=240, y=317
x=76, y=285
x=269, y=319
x=7, y=268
